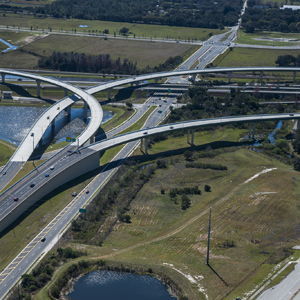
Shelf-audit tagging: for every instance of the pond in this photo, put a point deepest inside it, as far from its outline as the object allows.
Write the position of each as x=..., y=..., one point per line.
x=111, y=285
x=16, y=121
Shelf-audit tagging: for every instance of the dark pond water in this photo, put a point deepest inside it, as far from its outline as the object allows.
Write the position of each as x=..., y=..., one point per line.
x=110, y=285
x=16, y=121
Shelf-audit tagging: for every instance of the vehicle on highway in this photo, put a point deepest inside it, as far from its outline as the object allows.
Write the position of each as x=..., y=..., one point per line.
x=46, y=175
x=159, y=111
x=171, y=127
x=291, y=114
x=52, y=168
x=165, y=101
x=32, y=185
x=43, y=239
x=4, y=173
x=16, y=199
x=145, y=132
x=87, y=191
x=190, y=78
x=74, y=194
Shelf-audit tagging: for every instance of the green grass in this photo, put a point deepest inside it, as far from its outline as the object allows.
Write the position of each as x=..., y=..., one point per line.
x=251, y=38
x=140, y=30
x=247, y=57
x=17, y=38
x=136, y=51
x=6, y=151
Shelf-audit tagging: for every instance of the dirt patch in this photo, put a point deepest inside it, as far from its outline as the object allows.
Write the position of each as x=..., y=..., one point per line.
x=30, y=39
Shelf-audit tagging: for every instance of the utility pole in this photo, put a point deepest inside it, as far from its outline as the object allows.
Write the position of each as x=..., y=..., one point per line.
x=208, y=238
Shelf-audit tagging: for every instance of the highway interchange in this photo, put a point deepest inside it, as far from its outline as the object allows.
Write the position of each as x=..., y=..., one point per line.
x=62, y=160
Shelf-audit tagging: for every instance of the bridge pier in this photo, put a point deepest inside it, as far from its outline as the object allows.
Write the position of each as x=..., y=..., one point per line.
x=38, y=88
x=251, y=128
x=53, y=125
x=68, y=110
x=194, y=77
x=294, y=75
x=66, y=92
x=261, y=75
x=144, y=142
x=3, y=77
x=92, y=139
x=229, y=77
x=108, y=93
x=85, y=111
x=156, y=80
x=190, y=132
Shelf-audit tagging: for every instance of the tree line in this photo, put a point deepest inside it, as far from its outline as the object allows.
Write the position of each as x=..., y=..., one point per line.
x=288, y=60
x=272, y=19
x=102, y=63
x=188, y=13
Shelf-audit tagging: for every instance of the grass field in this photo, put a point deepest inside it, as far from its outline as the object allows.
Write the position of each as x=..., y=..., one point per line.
x=251, y=38
x=136, y=51
x=246, y=57
x=140, y=30
x=6, y=151
x=167, y=239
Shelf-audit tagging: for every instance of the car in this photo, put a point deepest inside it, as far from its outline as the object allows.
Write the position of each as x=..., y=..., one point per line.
x=87, y=191
x=19, y=79
x=159, y=105
x=52, y=168
x=16, y=199
x=46, y=175
x=165, y=101
x=74, y=194
x=171, y=127
x=32, y=185
x=4, y=173
x=159, y=98
x=145, y=132
x=43, y=239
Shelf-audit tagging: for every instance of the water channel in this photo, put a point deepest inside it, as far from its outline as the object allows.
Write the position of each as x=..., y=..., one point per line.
x=111, y=285
x=10, y=46
x=16, y=121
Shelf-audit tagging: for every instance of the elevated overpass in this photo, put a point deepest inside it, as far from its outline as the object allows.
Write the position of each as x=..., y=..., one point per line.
x=87, y=158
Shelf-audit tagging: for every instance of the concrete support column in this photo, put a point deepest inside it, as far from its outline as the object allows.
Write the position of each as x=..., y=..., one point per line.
x=108, y=93
x=298, y=124
x=146, y=145
x=294, y=75
x=3, y=77
x=253, y=132
x=194, y=77
x=250, y=126
x=85, y=111
x=53, y=125
x=141, y=146
x=92, y=139
x=261, y=75
x=68, y=110
x=38, y=88
x=229, y=77
x=193, y=131
x=66, y=92
x=156, y=80
x=188, y=136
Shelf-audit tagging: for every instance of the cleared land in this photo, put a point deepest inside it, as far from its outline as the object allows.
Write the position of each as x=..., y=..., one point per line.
x=252, y=38
x=144, y=53
x=140, y=30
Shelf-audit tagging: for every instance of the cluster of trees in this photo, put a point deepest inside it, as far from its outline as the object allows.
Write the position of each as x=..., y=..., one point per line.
x=272, y=19
x=185, y=202
x=80, y=62
x=123, y=217
x=185, y=191
x=203, y=105
x=102, y=63
x=43, y=272
x=205, y=166
x=288, y=60
x=188, y=13
x=227, y=244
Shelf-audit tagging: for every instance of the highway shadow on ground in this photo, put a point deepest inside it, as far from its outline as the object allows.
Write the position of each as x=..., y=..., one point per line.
x=70, y=187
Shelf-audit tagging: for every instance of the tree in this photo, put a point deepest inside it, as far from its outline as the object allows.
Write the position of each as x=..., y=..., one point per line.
x=297, y=164
x=185, y=202
x=188, y=154
x=129, y=105
x=124, y=30
x=207, y=188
